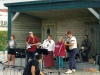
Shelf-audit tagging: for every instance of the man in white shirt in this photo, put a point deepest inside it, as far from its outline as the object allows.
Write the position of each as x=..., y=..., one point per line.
x=72, y=47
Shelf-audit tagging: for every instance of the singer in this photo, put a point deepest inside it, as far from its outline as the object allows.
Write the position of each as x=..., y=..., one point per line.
x=49, y=45
x=11, y=51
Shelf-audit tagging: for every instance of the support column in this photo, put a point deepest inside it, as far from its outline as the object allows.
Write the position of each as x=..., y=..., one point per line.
x=9, y=23
x=99, y=38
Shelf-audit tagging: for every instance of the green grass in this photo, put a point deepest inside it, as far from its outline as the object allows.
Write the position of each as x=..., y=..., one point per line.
x=3, y=40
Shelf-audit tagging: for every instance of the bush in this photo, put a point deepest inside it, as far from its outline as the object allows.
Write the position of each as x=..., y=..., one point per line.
x=3, y=40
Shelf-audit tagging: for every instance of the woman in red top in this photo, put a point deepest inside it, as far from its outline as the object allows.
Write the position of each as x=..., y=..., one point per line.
x=59, y=53
x=32, y=41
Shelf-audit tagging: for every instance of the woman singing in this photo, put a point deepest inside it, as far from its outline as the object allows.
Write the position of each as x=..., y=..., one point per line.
x=11, y=50
x=59, y=52
x=49, y=45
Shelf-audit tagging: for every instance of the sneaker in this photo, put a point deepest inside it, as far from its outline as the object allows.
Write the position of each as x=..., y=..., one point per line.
x=60, y=68
x=13, y=66
x=69, y=71
x=73, y=70
x=6, y=67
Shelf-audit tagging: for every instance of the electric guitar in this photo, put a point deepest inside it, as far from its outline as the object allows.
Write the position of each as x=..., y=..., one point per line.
x=28, y=46
x=84, y=48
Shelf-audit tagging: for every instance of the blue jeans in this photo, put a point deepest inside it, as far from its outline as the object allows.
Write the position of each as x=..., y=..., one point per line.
x=30, y=54
x=59, y=62
x=72, y=59
x=84, y=55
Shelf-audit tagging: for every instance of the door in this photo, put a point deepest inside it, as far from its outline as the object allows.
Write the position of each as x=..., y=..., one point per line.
x=48, y=29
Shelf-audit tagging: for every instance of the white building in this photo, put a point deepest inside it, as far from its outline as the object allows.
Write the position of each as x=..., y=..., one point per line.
x=3, y=17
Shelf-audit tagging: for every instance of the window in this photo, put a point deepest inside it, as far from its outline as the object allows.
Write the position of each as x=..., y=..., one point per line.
x=1, y=23
x=5, y=22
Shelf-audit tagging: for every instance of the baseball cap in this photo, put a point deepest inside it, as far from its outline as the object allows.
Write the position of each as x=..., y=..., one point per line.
x=68, y=32
x=30, y=32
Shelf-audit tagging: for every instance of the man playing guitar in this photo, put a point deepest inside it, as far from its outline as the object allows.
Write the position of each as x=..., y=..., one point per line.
x=32, y=43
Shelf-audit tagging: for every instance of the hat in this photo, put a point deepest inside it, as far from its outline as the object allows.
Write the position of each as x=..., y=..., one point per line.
x=68, y=32
x=30, y=32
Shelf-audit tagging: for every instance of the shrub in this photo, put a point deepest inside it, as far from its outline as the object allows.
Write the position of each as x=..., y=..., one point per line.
x=3, y=40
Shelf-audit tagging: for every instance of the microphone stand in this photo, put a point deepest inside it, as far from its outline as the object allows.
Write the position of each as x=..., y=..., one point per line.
x=59, y=61
x=21, y=54
x=42, y=51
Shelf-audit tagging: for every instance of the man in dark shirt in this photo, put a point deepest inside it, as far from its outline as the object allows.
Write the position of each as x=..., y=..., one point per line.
x=86, y=46
x=33, y=42
x=32, y=68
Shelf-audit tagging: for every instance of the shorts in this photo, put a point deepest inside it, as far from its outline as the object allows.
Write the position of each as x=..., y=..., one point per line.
x=11, y=51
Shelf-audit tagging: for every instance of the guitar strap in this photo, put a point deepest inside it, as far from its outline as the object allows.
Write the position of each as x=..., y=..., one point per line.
x=28, y=40
x=33, y=39
x=70, y=39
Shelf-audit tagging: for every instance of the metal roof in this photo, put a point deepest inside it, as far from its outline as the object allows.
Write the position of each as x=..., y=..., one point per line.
x=46, y=1
x=34, y=2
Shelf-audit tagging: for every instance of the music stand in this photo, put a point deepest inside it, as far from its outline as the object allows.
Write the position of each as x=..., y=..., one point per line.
x=43, y=52
x=22, y=53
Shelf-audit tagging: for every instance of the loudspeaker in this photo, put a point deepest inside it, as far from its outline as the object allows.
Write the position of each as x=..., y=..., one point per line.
x=20, y=53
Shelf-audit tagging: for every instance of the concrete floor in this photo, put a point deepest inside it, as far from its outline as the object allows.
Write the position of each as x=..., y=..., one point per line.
x=15, y=71
x=3, y=28
x=18, y=70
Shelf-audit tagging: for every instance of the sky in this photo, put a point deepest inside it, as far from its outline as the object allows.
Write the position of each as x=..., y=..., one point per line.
x=11, y=1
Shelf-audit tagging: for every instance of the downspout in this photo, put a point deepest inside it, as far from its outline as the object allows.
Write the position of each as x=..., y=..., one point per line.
x=94, y=12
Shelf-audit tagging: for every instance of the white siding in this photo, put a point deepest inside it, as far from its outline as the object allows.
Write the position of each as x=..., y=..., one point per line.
x=22, y=25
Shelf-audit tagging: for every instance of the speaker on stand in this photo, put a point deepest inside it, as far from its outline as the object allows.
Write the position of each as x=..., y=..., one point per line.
x=20, y=53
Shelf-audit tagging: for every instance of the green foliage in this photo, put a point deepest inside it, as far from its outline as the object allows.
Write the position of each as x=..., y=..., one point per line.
x=3, y=40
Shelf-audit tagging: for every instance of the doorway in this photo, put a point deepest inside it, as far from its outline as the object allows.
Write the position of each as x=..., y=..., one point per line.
x=48, y=29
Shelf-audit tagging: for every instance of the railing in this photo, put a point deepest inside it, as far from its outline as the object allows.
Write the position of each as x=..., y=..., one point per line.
x=11, y=71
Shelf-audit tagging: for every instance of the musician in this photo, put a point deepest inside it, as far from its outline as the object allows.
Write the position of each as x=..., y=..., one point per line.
x=72, y=47
x=59, y=52
x=49, y=44
x=86, y=46
x=32, y=68
x=31, y=41
x=11, y=50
